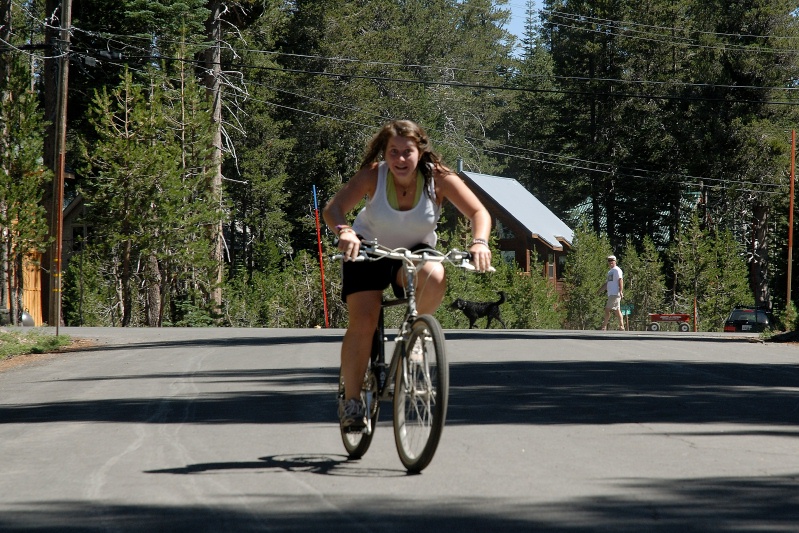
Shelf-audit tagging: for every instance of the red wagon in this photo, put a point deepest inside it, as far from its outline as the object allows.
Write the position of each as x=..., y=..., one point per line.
x=681, y=318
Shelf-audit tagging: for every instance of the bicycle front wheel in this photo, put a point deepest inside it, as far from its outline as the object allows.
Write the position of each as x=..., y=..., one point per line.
x=421, y=391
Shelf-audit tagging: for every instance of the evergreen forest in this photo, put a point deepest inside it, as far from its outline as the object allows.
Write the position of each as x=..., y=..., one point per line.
x=203, y=137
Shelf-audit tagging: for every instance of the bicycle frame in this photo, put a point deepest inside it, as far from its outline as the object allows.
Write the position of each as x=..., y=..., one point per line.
x=400, y=340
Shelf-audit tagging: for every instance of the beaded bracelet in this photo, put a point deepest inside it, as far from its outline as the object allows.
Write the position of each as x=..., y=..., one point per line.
x=479, y=241
x=346, y=228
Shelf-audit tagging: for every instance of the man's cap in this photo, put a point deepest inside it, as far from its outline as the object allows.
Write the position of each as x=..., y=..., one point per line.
x=611, y=258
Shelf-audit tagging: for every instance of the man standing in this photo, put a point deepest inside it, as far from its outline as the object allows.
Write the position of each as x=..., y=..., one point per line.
x=615, y=290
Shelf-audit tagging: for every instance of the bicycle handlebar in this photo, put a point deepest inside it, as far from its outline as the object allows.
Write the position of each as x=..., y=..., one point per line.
x=372, y=251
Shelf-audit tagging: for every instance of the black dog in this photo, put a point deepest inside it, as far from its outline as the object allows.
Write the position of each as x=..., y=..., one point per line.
x=475, y=310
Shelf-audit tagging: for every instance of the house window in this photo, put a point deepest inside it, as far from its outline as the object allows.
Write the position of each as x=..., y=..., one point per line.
x=503, y=232
x=551, y=266
x=509, y=256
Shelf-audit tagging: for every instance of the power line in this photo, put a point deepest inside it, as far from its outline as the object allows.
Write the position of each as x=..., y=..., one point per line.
x=723, y=48
x=448, y=68
x=474, y=85
x=604, y=168
x=577, y=163
x=670, y=29
x=453, y=84
x=568, y=92
x=671, y=83
x=25, y=49
x=641, y=174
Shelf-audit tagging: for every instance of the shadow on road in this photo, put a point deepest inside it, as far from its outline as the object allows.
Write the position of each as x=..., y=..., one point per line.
x=226, y=342
x=526, y=392
x=325, y=336
x=338, y=465
x=675, y=505
x=614, y=392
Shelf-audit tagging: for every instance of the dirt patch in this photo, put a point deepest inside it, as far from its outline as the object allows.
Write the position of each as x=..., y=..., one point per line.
x=20, y=360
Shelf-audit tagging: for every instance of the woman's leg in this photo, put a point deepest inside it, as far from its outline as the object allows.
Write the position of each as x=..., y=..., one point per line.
x=431, y=284
x=364, y=311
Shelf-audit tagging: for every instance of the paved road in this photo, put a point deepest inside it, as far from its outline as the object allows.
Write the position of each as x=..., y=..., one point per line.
x=234, y=430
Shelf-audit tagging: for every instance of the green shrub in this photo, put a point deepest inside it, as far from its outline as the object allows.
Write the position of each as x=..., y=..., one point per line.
x=34, y=341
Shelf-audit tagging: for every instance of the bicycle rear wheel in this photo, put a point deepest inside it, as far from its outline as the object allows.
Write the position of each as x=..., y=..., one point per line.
x=357, y=443
x=421, y=392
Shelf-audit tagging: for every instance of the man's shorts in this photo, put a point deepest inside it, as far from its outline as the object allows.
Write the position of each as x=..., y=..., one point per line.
x=613, y=303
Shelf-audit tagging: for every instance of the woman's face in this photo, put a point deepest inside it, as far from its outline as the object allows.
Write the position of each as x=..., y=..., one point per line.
x=402, y=156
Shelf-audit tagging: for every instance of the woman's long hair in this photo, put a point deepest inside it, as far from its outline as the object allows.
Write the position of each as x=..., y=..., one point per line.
x=428, y=159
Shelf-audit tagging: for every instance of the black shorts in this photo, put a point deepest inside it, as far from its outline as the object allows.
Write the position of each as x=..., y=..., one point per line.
x=372, y=275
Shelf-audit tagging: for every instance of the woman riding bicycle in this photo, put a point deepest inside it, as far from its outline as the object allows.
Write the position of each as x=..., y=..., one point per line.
x=405, y=192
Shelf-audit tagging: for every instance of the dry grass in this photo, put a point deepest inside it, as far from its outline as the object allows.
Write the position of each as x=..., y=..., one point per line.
x=33, y=352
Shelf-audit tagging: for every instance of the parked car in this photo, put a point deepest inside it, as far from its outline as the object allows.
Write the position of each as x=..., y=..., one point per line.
x=749, y=319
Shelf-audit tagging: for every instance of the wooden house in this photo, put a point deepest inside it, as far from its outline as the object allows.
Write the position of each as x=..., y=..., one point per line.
x=528, y=231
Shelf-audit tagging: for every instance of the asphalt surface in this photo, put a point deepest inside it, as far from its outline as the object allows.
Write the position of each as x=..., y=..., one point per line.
x=234, y=430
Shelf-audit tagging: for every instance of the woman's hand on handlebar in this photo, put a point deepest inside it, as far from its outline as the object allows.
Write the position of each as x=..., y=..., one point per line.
x=349, y=245
x=481, y=257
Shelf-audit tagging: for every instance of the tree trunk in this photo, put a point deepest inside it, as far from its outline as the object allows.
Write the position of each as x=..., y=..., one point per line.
x=213, y=57
x=154, y=280
x=760, y=278
x=126, y=296
x=15, y=292
x=5, y=151
x=5, y=282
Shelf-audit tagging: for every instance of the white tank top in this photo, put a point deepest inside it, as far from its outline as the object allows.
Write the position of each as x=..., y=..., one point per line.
x=393, y=228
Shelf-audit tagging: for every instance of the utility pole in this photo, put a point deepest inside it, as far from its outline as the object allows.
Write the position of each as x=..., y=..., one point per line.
x=790, y=219
x=57, y=213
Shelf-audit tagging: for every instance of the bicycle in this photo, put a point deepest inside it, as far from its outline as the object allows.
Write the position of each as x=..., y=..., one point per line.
x=420, y=377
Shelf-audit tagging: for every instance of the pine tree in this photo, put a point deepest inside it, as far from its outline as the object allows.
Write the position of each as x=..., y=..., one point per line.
x=584, y=273
x=148, y=173
x=726, y=284
x=258, y=184
x=644, y=283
